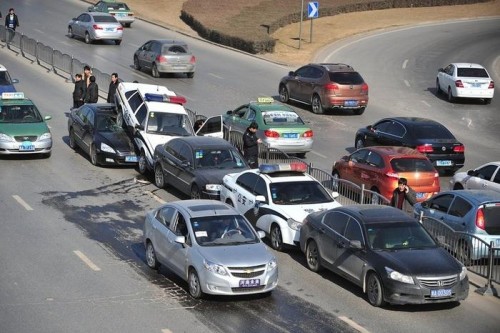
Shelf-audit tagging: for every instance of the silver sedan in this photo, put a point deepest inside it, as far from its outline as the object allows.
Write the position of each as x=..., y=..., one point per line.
x=211, y=246
x=96, y=26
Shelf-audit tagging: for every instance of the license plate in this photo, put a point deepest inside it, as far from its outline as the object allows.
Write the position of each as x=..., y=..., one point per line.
x=121, y=14
x=290, y=135
x=249, y=283
x=420, y=195
x=441, y=293
x=443, y=163
x=351, y=103
x=110, y=29
x=26, y=146
x=131, y=158
x=476, y=85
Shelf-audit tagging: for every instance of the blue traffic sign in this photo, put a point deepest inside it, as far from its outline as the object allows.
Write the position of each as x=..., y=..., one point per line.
x=313, y=9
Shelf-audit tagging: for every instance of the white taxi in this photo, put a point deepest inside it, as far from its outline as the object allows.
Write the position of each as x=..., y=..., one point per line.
x=276, y=198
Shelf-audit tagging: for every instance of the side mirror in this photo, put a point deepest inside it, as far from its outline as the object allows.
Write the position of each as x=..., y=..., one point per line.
x=335, y=194
x=90, y=8
x=47, y=117
x=139, y=127
x=425, y=204
x=229, y=112
x=471, y=173
x=370, y=128
x=180, y=240
x=74, y=19
x=441, y=70
x=291, y=73
x=355, y=244
x=15, y=81
x=261, y=234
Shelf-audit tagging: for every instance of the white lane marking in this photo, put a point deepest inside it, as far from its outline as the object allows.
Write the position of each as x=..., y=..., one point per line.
x=86, y=260
x=40, y=31
x=320, y=155
x=157, y=198
x=407, y=83
x=405, y=63
x=22, y=202
x=354, y=324
x=217, y=76
x=426, y=104
x=166, y=330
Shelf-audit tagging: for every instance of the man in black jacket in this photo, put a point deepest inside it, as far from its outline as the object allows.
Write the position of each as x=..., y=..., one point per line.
x=11, y=23
x=251, y=145
x=79, y=91
x=92, y=93
x=112, y=88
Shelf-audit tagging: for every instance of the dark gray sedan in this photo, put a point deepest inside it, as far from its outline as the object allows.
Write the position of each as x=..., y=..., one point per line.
x=95, y=26
x=385, y=252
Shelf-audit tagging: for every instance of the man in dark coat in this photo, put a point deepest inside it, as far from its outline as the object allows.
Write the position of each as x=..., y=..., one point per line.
x=112, y=88
x=403, y=197
x=92, y=93
x=251, y=145
x=79, y=91
x=11, y=23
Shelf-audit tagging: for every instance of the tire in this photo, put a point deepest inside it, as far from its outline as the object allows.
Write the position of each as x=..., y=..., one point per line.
x=359, y=143
x=154, y=71
x=136, y=64
x=72, y=142
x=375, y=291
x=301, y=155
x=118, y=41
x=143, y=163
x=451, y=99
x=159, y=176
x=276, y=238
x=312, y=257
x=151, y=260
x=88, y=40
x=316, y=105
x=195, y=192
x=93, y=155
x=190, y=75
x=284, y=94
x=127, y=25
x=359, y=111
x=194, y=285
x=438, y=88
x=70, y=32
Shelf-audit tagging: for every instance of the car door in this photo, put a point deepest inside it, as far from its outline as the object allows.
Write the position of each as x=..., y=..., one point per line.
x=212, y=127
x=330, y=232
x=484, y=178
x=79, y=120
x=370, y=172
x=250, y=204
x=350, y=262
x=235, y=120
x=456, y=215
x=161, y=233
x=142, y=55
x=245, y=184
x=356, y=166
x=169, y=160
x=438, y=206
x=186, y=168
x=78, y=26
x=178, y=253
x=295, y=83
x=372, y=135
x=392, y=134
x=152, y=54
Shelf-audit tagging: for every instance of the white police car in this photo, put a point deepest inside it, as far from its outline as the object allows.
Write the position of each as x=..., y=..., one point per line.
x=276, y=198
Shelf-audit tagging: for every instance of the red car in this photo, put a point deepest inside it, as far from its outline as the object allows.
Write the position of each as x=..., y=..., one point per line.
x=380, y=167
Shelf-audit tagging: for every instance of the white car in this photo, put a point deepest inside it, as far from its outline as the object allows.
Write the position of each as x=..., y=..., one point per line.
x=465, y=80
x=487, y=176
x=153, y=115
x=276, y=198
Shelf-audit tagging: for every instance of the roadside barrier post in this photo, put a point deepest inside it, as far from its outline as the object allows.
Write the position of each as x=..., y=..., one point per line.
x=489, y=289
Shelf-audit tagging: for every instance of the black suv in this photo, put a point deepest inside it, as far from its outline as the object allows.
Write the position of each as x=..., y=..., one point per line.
x=326, y=86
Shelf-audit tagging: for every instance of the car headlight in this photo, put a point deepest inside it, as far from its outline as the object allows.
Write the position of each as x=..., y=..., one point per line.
x=5, y=137
x=213, y=187
x=272, y=264
x=395, y=275
x=293, y=224
x=214, y=268
x=463, y=273
x=45, y=136
x=106, y=148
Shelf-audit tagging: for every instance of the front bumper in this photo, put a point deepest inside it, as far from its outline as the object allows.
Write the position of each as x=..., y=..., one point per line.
x=122, y=158
x=12, y=148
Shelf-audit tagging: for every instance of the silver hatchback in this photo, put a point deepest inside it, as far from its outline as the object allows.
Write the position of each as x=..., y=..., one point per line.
x=211, y=246
x=96, y=26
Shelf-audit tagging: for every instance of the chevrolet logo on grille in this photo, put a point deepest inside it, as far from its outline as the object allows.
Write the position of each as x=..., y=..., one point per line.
x=248, y=271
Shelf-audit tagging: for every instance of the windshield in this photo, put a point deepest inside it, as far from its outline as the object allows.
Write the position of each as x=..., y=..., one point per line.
x=223, y=230
x=19, y=114
x=281, y=118
x=299, y=193
x=165, y=123
x=218, y=158
x=394, y=236
x=5, y=79
x=106, y=123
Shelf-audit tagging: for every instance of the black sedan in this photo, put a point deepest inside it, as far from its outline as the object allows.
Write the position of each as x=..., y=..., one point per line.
x=195, y=165
x=384, y=251
x=93, y=128
x=425, y=135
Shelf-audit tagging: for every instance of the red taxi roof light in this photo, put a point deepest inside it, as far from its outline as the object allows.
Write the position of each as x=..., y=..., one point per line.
x=480, y=218
x=308, y=134
x=427, y=148
x=271, y=134
x=459, y=149
x=459, y=84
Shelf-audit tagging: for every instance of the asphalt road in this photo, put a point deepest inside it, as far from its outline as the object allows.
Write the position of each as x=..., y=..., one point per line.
x=76, y=262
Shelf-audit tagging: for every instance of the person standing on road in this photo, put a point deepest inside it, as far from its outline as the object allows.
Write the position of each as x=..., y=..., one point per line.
x=87, y=72
x=403, y=196
x=79, y=91
x=92, y=93
x=11, y=23
x=251, y=145
x=112, y=88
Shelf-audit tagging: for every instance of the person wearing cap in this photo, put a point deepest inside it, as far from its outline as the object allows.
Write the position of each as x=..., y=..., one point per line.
x=251, y=145
x=403, y=195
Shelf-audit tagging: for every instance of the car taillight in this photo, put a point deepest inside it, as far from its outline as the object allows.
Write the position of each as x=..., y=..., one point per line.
x=459, y=149
x=427, y=148
x=130, y=14
x=120, y=28
x=161, y=58
x=492, y=85
x=271, y=134
x=331, y=87
x=192, y=60
x=459, y=84
x=392, y=175
x=364, y=89
x=480, y=218
x=97, y=27
x=308, y=134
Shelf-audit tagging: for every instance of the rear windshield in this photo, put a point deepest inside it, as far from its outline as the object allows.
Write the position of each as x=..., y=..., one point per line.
x=346, y=77
x=176, y=49
x=105, y=19
x=117, y=6
x=411, y=165
x=492, y=218
x=281, y=118
x=472, y=72
x=431, y=131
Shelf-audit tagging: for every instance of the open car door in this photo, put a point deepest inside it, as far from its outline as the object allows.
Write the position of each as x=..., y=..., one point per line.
x=213, y=127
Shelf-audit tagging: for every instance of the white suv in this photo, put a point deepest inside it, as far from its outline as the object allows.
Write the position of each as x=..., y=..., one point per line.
x=153, y=115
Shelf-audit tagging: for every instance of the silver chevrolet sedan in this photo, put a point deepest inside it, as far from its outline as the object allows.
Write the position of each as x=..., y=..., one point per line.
x=96, y=26
x=211, y=246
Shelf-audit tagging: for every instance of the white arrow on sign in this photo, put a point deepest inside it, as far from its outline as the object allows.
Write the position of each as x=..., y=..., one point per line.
x=312, y=11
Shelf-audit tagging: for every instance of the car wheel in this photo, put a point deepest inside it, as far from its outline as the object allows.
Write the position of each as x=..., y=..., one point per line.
x=142, y=164
x=194, y=284
x=195, y=192
x=487, y=101
x=359, y=143
x=154, y=71
x=463, y=254
x=72, y=141
x=301, y=155
x=375, y=291
x=118, y=41
x=438, y=88
x=88, y=40
x=159, y=177
x=136, y=64
x=127, y=25
x=151, y=260
x=276, y=238
x=70, y=32
x=359, y=111
x=316, y=105
x=312, y=256
x=93, y=154
x=450, y=95
x=190, y=75
x=284, y=95
x=47, y=155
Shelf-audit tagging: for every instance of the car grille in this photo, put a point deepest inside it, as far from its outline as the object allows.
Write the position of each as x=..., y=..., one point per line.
x=245, y=290
x=31, y=138
x=438, y=282
x=247, y=272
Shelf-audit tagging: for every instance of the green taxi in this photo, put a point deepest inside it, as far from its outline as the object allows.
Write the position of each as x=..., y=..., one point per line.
x=119, y=10
x=280, y=126
x=22, y=128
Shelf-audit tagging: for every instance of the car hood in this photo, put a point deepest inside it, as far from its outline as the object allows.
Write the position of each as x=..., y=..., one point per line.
x=237, y=255
x=299, y=212
x=24, y=129
x=215, y=175
x=117, y=140
x=420, y=262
